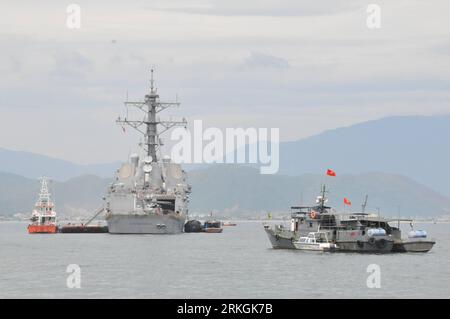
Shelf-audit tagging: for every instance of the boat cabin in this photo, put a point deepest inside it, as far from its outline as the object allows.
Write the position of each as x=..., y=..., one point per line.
x=305, y=219
x=314, y=238
x=212, y=224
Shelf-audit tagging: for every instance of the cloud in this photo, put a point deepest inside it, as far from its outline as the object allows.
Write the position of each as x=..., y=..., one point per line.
x=257, y=59
x=70, y=64
x=248, y=63
x=72, y=58
x=257, y=7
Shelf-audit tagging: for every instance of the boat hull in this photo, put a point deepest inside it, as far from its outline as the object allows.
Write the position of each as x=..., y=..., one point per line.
x=145, y=224
x=365, y=246
x=419, y=246
x=229, y=224
x=315, y=247
x=213, y=230
x=42, y=229
x=280, y=240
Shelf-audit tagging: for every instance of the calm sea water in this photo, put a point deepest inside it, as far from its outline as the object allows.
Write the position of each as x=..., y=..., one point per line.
x=239, y=263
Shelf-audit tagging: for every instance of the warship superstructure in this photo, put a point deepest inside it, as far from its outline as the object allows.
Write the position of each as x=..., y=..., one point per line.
x=150, y=193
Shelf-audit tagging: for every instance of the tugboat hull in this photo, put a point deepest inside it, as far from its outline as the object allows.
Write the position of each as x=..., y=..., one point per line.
x=145, y=224
x=42, y=229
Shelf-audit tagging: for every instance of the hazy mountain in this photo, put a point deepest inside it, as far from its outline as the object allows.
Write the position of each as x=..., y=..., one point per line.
x=410, y=151
x=417, y=147
x=34, y=166
x=242, y=191
x=18, y=194
x=243, y=188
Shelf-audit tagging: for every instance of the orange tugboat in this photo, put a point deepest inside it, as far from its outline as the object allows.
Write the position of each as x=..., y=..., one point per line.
x=43, y=218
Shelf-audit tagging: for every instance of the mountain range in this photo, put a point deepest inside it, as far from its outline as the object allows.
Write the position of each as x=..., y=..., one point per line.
x=241, y=191
x=36, y=165
x=415, y=146
x=81, y=194
x=400, y=162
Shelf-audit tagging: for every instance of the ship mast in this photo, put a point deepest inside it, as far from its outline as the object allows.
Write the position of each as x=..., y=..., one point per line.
x=364, y=204
x=44, y=194
x=148, y=126
x=323, y=199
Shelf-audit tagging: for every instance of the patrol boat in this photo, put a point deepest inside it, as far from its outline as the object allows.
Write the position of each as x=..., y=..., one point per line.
x=150, y=193
x=304, y=219
x=356, y=232
x=352, y=232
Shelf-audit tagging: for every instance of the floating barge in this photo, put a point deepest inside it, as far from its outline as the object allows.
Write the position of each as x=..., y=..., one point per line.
x=83, y=229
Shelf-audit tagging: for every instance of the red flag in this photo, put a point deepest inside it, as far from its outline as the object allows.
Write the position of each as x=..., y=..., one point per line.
x=347, y=201
x=330, y=172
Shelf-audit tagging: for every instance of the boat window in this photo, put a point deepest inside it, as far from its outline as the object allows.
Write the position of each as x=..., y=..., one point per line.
x=328, y=221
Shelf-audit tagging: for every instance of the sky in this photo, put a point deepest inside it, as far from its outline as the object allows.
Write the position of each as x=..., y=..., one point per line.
x=300, y=66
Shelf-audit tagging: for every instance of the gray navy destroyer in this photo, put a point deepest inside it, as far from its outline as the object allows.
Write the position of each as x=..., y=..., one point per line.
x=150, y=193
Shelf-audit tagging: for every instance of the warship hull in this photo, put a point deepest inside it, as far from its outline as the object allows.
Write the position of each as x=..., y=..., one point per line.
x=145, y=224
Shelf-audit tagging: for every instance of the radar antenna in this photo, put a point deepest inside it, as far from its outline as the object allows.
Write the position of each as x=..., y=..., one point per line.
x=148, y=126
